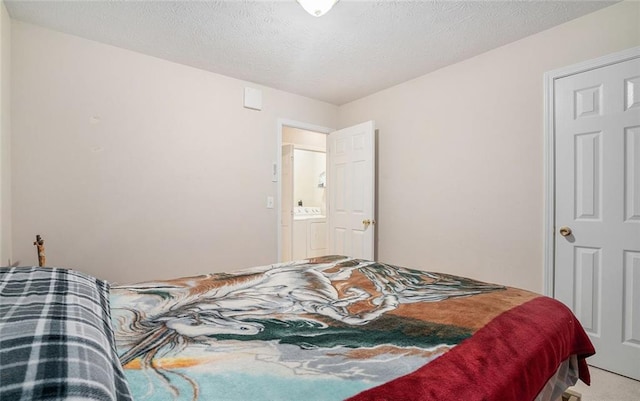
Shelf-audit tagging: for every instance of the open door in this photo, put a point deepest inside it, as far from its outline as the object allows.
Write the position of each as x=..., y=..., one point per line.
x=351, y=191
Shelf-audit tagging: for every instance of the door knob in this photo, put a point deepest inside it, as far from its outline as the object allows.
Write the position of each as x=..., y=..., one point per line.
x=366, y=223
x=565, y=231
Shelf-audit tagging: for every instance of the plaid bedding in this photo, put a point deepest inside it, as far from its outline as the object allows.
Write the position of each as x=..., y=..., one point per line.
x=56, y=340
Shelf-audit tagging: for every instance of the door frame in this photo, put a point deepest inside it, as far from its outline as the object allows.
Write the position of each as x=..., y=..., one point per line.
x=548, y=276
x=281, y=123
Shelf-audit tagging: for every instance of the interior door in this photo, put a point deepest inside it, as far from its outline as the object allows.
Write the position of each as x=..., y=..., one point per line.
x=351, y=191
x=597, y=242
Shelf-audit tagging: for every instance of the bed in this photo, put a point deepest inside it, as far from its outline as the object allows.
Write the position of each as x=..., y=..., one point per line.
x=328, y=328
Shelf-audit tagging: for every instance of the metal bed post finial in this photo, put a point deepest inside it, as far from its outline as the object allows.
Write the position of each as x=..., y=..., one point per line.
x=39, y=243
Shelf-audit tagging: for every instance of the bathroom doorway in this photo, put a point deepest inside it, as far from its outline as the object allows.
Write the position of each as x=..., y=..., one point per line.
x=349, y=209
x=303, y=222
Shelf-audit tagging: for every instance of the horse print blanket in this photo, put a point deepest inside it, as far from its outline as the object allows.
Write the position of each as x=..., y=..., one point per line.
x=331, y=328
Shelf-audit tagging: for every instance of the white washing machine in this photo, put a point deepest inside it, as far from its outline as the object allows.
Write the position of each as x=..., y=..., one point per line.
x=309, y=233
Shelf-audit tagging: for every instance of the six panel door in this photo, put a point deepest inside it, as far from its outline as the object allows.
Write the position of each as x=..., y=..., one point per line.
x=597, y=242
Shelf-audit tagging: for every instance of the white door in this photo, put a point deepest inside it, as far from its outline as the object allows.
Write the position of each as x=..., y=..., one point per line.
x=286, y=202
x=351, y=191
x=597, y=159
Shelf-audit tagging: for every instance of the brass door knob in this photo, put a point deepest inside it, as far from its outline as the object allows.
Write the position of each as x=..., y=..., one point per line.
x=565, y=231
x=366, y=223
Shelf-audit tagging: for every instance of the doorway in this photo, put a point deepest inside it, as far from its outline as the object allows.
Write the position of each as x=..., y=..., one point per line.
x=350, y=189
x=592, y=229
x=303, y=203
x=301, y=208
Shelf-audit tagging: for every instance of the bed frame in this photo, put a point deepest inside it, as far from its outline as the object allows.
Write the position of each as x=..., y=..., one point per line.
x=571, y=395
x=39, y=243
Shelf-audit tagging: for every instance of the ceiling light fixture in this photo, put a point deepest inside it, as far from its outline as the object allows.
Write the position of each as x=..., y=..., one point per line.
x=317, y=8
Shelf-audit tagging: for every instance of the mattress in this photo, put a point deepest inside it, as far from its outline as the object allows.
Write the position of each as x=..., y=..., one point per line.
x=328, y=328
x=335, y=328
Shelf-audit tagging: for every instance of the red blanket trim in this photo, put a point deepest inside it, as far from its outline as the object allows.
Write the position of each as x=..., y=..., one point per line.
x=511, y=358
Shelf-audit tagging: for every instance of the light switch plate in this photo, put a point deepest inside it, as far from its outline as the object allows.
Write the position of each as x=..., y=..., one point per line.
x=269, y=202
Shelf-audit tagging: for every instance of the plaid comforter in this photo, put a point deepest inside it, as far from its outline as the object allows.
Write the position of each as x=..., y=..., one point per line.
x=56, y=340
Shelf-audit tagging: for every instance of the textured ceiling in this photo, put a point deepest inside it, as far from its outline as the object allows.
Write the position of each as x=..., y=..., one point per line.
x=358, y=48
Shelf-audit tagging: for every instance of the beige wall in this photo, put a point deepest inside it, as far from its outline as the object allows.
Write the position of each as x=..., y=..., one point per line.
x=299, y=136
x=307, y=172
x=461, y=153
x=307, y=167
x=5, y=136
x=132, y=167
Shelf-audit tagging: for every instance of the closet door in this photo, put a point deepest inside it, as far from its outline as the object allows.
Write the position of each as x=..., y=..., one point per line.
x=597, y=242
